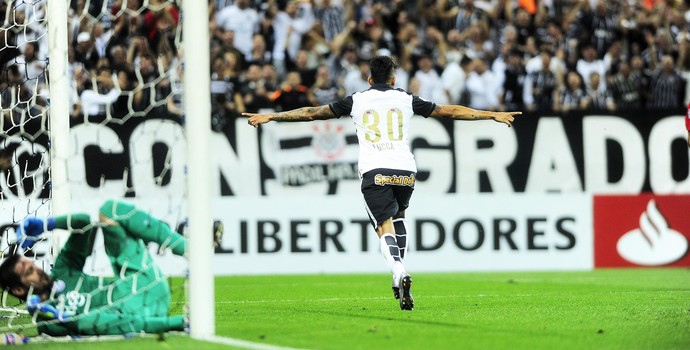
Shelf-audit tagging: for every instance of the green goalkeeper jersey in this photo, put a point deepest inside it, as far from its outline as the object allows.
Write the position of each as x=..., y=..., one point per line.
x=136, y=299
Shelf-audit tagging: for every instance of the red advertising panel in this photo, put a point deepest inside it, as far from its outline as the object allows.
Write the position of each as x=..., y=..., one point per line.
x=644, y=230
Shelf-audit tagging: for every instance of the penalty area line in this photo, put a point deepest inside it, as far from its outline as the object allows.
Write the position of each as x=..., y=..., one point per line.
x=244, y=343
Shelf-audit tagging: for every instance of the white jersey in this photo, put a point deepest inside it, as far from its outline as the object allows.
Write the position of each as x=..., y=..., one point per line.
x=382, y=119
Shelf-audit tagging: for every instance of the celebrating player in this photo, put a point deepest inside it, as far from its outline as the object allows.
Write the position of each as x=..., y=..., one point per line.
x=386, y=165
x=74, y=303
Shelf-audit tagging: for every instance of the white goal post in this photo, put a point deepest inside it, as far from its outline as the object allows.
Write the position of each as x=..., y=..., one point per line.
x=59, y=114
x=197, y=104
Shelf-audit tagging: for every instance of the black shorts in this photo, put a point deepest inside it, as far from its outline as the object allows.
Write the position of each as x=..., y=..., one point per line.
x=386, y=192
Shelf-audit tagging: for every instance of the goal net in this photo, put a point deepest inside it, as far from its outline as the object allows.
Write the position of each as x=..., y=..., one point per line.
x=91, y=110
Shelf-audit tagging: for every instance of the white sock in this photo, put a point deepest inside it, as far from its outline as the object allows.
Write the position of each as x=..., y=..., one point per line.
x=391, y=253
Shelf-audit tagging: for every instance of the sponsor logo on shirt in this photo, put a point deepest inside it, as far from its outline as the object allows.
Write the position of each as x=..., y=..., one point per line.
x=397, y=180
x=73, y=301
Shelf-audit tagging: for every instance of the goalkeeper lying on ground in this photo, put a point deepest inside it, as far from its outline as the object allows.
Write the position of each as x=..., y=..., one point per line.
x=70, y=302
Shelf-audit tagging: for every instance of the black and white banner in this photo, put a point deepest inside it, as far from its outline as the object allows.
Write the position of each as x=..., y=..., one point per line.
x=600, y=154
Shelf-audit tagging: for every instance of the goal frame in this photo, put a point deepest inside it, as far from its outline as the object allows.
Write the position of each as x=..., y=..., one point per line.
x=200, y=291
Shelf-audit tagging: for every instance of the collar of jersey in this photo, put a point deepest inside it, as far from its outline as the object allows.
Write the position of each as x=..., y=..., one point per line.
x=381, y=86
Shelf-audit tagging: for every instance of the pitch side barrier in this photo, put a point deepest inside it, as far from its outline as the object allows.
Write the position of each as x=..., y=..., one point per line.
x=555, y=192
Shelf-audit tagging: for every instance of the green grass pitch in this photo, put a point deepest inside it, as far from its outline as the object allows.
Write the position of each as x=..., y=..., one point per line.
x=601, y=309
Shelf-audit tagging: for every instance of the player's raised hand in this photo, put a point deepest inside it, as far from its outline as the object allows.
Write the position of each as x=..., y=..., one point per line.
x=256, y=119
x=506, y=117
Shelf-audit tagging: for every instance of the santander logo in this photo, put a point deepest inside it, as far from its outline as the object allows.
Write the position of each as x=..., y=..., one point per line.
x=654, y=242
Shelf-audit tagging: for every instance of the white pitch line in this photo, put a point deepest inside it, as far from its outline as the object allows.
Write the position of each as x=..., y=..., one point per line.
x=245, y=343
x=520, y=295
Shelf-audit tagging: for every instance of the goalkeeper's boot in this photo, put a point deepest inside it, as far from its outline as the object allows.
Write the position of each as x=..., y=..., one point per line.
x=406, y=300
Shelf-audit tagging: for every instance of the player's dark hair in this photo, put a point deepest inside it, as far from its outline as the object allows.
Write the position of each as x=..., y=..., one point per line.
x=382, y=69
x=8, y=278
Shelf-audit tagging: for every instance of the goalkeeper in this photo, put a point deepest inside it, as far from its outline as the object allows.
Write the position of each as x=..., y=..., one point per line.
x=70, y=302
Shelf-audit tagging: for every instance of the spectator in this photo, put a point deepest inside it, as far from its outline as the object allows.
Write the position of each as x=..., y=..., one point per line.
x=270, y=77
x=292, y=94
x=478, y=44
x=511, y=98
x=101, y=37
x=524, y=26
x=243, y=21
x=259, y=54
x=146, y=73
x=553, y=38
x=12, y=92
x=227, y=45
x=602, y=27
x=626, y=88
x=159, y=22
x=333, y=17
x=324, y=90
x=346, y=62
x=302, y=66
x=498, y=67
x=666, y=86
x=598, y=99
x=657, y=47
x=219, y=93
x=118, y=59
x=435, y=45
x=86, y=51
x=356, y=80
x=29, y=66
x=589, y=63
x=430, y=84
x=453, y=77
x=571, y=96
x=96, y=100
x=254, y=91
x=614, y=57
x=482, y=87
x=126, y=82
x=465, y=16
x=175, y=97
x=643, y=76
x=288, y=27
x=372, y=38
x=683, y=61
x=232, y=66
x=540, y=86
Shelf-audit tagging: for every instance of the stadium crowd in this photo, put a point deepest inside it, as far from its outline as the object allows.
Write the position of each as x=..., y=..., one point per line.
x=529, y=55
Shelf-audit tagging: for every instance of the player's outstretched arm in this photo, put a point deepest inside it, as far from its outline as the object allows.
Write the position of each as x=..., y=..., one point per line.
x=466, y=113
x=295, y=115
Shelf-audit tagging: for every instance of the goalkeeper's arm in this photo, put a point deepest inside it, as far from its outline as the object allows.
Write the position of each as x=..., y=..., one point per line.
x=78, y=246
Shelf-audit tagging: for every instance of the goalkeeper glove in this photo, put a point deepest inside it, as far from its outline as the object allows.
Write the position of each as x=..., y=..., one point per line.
x=45, y=310
x=31, y=228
